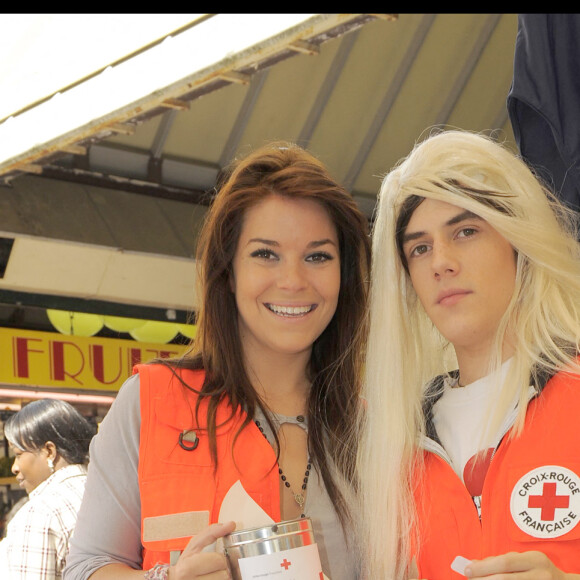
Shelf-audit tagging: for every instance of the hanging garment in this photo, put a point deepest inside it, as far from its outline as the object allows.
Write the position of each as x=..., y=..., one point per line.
x=544, y=100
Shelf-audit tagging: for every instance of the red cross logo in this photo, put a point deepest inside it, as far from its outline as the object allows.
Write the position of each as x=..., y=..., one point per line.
x=285, y=564
x=548, y=502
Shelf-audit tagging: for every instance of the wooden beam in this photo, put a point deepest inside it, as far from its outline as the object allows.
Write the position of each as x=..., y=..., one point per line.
x=385, y=16
x=176, y=104
x=31, y=168
x=235, y=77
x=304, y=47
x=124, y=129
x=74, y=149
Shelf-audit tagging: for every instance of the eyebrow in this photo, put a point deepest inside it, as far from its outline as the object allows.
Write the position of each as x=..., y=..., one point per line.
x=313, y=244
x=464, y=215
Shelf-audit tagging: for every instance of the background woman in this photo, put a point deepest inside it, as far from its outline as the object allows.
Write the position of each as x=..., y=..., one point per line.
x=475, y=268
x=50, y=441
x=267, y=394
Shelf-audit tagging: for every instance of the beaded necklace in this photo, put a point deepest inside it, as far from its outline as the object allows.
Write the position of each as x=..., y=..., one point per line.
x=299, y=498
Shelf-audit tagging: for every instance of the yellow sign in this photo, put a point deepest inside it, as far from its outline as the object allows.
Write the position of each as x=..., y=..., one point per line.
x=47, y=359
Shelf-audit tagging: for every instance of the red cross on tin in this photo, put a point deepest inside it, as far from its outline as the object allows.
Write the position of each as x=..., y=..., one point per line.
x=285, y=564
x=548, y=502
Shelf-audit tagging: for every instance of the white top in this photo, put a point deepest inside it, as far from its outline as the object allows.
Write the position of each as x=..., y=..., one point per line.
x=109, y=524
x=37, y=538
x=460, y=417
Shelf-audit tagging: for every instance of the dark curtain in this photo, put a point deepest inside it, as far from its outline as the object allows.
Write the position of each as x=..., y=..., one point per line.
x=544, y=100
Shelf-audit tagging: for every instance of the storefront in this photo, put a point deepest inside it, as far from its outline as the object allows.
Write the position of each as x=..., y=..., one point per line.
x=80, y=369
x=86, y=371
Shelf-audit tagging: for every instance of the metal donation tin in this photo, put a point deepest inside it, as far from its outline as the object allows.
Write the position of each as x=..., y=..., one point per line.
x=285, y=550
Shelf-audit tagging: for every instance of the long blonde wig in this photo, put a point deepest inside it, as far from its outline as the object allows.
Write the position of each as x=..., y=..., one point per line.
x=405, y=350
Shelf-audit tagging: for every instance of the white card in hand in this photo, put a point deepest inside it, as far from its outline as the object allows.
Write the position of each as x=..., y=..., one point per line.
x=459, y=564
x=238, y=506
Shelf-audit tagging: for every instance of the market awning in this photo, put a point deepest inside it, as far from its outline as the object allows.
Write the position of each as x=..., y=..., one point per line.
x=207, y=52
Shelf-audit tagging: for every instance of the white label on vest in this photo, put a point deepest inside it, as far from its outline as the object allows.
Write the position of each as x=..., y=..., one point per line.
x=545, y=503
x=295, y=564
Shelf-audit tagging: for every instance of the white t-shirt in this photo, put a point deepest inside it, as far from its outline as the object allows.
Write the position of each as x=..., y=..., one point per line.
x=460, y=417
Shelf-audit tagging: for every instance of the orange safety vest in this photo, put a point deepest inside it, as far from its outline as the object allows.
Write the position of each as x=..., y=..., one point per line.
x=173, y=480
x=530, y=498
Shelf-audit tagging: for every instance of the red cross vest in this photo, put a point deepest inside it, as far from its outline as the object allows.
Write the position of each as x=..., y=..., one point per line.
x=530, y=498
x=173, y=480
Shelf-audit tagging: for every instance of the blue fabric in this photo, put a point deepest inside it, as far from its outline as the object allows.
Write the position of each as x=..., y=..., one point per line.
x=544, y=100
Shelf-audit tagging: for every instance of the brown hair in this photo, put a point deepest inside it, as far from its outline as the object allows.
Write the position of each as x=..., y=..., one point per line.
x=335, y=367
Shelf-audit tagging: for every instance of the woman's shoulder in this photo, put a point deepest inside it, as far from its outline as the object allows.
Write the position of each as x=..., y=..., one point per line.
x=64, y=484
x=42, y=509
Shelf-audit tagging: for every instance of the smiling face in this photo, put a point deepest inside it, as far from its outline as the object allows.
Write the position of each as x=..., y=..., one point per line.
x=286, y=276
x=462, y=270
x=30, y=467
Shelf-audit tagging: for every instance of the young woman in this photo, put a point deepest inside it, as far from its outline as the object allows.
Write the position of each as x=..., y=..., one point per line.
x=476, y=282
x=50, y=442
x=267, y=395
